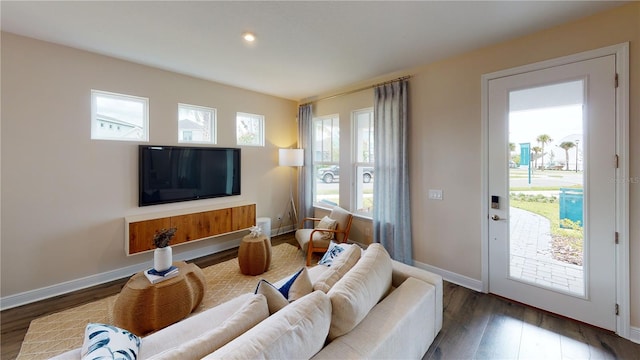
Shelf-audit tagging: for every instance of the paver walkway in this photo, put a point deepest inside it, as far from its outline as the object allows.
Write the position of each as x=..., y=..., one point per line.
x=531, y=258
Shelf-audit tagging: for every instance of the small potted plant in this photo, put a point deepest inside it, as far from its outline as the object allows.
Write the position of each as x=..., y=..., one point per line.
x=163, y=255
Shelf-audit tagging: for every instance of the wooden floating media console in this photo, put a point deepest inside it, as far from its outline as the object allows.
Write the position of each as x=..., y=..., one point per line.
x=191, y=227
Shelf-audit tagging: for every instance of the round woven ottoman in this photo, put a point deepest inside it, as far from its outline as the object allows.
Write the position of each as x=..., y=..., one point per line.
x=254, y=255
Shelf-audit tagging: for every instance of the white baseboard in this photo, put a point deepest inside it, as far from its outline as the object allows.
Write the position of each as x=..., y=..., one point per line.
x=452, y=277
x=634, y=334
x=27, y=297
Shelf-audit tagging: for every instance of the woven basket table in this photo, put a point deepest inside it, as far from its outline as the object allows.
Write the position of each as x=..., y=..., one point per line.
x=143, y=307
x=254, y=255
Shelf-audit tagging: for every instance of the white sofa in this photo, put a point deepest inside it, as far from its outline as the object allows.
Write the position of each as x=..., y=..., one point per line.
x=375, y=308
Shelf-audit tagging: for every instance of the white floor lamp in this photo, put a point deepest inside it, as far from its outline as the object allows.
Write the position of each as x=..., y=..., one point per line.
x=292, y=158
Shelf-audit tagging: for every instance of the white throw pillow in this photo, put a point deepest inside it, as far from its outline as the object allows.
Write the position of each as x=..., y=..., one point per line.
x=102, y=341
x=329, y=224
x=294, y=288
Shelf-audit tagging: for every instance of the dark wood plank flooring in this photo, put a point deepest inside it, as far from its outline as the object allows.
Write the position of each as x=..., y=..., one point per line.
x=476, y=325
x=484, y=326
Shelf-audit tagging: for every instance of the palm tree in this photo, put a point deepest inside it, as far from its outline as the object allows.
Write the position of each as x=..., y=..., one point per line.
x=543, y=140
x=566, y=145
x=536, y=150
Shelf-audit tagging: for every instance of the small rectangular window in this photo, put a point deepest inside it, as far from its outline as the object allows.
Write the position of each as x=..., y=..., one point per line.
x=326, y=159
x=250, y=129
x=364, y=160
x=119, y=117
x=196, y=124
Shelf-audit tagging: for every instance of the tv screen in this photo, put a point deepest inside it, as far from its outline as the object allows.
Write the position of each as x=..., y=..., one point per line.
x=177, y=173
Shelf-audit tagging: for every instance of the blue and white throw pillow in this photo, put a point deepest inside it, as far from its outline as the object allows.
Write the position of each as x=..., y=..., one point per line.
x=333, y=252
x=102, y=341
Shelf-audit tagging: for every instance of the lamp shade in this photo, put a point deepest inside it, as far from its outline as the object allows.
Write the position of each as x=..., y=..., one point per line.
x=291, y=157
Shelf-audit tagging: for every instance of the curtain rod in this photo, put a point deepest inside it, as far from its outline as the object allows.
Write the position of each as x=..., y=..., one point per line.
x=357, y=90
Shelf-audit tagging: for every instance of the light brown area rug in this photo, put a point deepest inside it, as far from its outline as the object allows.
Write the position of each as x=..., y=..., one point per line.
x=56, y=333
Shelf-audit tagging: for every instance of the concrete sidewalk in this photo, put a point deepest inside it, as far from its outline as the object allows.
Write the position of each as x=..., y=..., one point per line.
x=531, y=258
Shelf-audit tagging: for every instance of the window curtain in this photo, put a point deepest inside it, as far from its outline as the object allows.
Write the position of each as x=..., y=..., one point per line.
x=305, y=175
x=391, y=213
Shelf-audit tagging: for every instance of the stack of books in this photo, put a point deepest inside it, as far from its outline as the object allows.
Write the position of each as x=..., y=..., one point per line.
x=155, y=276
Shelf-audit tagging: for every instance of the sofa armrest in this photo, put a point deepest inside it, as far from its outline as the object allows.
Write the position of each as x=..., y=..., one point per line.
x=403, y=271
x=400, y=326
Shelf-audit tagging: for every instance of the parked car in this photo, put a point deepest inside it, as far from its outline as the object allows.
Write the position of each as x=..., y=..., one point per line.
x=554, y=165
x=329, y=174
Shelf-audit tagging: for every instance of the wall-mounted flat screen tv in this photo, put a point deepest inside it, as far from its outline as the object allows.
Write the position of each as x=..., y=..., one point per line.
x=179, y=173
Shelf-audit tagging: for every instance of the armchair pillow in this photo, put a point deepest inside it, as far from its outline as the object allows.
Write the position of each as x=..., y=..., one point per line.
x=329, y=224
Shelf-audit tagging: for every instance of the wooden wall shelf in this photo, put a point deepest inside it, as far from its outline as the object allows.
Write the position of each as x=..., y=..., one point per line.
x=190, y=227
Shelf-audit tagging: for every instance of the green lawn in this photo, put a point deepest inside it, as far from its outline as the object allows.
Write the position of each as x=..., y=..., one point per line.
x=550, y=210
x=543, y=188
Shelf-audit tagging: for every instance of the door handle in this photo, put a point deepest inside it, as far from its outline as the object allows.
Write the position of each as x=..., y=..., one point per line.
x=497, y=218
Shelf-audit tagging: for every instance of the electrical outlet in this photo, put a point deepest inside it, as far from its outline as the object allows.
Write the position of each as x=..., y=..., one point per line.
x=435, y=194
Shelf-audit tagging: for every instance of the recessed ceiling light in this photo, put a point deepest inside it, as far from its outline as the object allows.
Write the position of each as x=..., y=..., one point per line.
x=249, y=37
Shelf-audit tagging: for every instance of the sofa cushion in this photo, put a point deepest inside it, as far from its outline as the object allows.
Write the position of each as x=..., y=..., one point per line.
x=249, y=314
x=104, y=341
x=359, y=290
x=193, y=326
x=339, y=267
x=298, y=331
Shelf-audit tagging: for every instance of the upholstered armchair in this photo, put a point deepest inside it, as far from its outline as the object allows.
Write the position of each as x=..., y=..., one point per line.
x=318, y=239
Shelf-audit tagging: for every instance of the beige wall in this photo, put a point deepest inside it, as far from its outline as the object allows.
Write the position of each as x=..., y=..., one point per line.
x=445, y=142
x=63, y=220
x=64, y=196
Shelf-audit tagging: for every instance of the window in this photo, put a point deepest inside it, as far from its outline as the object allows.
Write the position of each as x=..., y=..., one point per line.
x=119, y=117
x=250, y=129
x=196, y=124
x=326, y=157
x=364, y=160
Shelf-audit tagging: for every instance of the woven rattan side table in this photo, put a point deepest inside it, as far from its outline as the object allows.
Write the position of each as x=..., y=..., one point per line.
x=143, y=307
x=254, y=255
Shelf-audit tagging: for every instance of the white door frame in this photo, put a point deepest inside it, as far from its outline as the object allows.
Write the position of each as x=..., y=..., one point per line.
x=621, y=51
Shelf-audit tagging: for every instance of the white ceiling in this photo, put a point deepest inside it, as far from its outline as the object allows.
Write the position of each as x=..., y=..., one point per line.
x=303, y=49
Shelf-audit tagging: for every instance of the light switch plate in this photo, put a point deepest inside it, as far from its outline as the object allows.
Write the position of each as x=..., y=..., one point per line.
x=435, y=194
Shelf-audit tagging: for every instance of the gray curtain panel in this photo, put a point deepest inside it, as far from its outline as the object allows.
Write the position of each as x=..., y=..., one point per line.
x=305, y=175
x=392, y=209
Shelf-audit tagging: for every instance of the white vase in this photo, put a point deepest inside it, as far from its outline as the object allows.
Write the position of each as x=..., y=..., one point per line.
x=162, y=258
